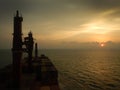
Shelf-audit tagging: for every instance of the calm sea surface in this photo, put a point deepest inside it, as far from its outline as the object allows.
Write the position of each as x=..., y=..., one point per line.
x=81, y=69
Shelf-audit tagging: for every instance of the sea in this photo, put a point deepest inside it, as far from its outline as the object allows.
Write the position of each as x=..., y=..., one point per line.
x=81, y=69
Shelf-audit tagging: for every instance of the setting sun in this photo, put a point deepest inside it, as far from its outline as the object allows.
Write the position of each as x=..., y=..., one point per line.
x=102, y=44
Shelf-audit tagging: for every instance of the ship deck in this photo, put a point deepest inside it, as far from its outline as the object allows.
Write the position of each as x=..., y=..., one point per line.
x=44, y=75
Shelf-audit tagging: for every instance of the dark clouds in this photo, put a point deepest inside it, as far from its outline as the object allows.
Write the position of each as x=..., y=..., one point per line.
x=7, y=6
x=56, y=7
x=97, y=4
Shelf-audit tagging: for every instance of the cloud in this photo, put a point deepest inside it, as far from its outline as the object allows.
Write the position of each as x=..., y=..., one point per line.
x=56, y=5
x=62, y=19
x=98, y=4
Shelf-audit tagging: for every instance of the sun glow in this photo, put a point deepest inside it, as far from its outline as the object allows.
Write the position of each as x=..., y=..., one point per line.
x=98, y=26
x=102, y=44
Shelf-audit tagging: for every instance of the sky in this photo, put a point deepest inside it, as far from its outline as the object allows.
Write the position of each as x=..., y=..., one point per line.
x=63, y=23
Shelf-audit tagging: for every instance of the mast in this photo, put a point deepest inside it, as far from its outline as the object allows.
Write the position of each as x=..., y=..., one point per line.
x=30, y=50
x=28, y=41
x=17, y=50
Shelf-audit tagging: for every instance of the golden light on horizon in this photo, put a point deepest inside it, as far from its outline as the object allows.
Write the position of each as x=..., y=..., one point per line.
x=98, y=27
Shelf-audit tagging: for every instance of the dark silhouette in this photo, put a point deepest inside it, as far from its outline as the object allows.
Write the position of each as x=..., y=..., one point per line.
x=17, y=50
x=36, y=50
x=28, y=41
x=31, y=72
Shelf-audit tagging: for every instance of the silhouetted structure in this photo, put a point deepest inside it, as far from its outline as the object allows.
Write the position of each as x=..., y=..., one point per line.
x=17, y=50
x=28, y=41
x=29, y=73
x=36, y=50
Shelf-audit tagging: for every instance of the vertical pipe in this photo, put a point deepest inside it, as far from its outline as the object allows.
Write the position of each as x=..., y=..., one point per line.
x=36, y=50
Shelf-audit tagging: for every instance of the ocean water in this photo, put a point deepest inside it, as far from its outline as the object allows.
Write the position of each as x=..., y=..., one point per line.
x=81, y=69
x=5, y=57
